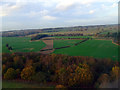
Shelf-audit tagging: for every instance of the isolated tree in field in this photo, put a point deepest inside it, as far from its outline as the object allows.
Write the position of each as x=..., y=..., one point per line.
x=10, y=74
x=27, y=73
x=10, y=48
x=7, y=45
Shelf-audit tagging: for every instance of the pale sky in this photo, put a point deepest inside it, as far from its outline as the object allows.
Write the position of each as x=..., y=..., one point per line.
x=30, y=14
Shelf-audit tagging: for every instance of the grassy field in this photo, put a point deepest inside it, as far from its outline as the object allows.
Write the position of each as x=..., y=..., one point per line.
x=61, y=43
x=14, y=84
x=21, y=44
x=93, y=48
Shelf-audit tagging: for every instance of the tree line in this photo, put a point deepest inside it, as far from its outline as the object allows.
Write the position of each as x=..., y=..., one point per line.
x=64, y=71
x=37, y=37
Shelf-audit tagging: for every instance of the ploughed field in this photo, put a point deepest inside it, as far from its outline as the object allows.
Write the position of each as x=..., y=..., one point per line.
x=92, y=48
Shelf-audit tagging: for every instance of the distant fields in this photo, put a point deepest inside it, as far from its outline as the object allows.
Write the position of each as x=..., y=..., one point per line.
x=22, y=44
x=93, y=48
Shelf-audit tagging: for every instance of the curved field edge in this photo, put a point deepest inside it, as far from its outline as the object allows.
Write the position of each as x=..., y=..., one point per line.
x=92, y=48
x=21, y=44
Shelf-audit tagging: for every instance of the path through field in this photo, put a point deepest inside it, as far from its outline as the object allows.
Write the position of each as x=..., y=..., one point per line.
x=48, y=48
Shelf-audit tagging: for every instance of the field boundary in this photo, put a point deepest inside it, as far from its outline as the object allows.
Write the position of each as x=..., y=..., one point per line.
x=109, y=40
x=42, y=50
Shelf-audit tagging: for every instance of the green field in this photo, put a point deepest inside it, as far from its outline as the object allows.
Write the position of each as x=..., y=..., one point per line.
x=21, y=44
x=61, y=43
x=15, y=84
x=93, y=48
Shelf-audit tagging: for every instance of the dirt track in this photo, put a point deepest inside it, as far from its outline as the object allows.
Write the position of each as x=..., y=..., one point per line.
x=48, y=48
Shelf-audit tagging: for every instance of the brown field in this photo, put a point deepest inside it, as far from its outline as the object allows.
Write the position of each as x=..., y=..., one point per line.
x=49, y=45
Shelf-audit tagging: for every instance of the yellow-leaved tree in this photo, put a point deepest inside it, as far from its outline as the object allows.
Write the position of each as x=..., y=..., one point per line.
x=10, y=74
x=115, y=73
x=27, y=73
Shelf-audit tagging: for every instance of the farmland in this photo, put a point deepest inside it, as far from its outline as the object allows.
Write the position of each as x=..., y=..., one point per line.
x=60, y=57
x=93, y=48
x=21, y=44
x=61, y=43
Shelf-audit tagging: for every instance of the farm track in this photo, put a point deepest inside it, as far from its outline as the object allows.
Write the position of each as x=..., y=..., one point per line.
x=49, y=48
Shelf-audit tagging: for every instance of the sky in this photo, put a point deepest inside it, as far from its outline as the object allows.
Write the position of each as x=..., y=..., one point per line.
x=35, y=14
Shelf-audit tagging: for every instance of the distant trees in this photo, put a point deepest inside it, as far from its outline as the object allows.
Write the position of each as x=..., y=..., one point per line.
x=19, y=33
x=71, y=34
x=37, y=37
